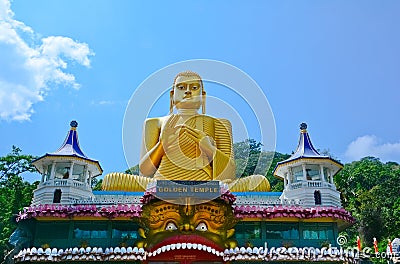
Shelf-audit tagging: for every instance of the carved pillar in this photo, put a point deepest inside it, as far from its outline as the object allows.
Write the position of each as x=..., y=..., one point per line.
x=322, y=173
x=304, y=172
x=53, y=171
x=70, y=170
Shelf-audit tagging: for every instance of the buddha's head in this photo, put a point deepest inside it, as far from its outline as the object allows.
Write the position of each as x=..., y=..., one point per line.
x=187, y=91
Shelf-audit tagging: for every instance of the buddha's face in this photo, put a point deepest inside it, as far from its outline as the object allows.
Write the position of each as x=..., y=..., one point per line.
x=187, y=92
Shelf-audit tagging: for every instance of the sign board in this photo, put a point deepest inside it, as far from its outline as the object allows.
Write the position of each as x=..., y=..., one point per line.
x=203, y=190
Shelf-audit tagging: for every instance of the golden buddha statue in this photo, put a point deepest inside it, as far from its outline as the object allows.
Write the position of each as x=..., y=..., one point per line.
x=185, y=145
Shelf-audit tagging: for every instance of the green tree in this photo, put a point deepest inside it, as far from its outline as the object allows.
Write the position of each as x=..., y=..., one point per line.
x=250, y=159
x=96, y=184
x=276, y=183
x=15, y=193
x=133, y=170
x=246, y=154
x=370, y=190
x=15, y=163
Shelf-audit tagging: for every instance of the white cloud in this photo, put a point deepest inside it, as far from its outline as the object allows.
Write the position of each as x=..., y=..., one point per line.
x=370, y=145
x=29, y=65
x=104, y=102
x=108, y=102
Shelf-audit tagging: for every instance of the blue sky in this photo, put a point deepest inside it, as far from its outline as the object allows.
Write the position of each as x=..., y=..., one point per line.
x=332, y=64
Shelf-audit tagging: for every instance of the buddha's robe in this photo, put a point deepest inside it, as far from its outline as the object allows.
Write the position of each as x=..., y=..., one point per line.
x=185, y=161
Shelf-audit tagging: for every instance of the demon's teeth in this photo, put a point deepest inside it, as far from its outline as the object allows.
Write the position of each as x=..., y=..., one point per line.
x=178, y=246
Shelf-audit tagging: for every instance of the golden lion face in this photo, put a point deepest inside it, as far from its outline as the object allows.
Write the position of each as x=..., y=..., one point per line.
x=210, y=223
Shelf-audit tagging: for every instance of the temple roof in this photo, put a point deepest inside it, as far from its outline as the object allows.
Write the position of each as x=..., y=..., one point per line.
x=71, y=146
x=306, y=150
x=70, y=149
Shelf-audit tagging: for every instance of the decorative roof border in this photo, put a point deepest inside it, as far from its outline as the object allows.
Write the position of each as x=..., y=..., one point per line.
x=270, y=212
x=63, y=211
x=134, y=210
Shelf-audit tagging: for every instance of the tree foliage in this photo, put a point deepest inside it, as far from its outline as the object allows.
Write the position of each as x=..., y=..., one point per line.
x=251, y=159
x=370, y=190
x=14, y=164
x=96, y=185
x=15, y=193
x=133, y=170
x=276, y=183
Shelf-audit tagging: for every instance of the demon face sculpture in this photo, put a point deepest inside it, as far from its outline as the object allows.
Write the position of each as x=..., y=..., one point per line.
x=209, y=224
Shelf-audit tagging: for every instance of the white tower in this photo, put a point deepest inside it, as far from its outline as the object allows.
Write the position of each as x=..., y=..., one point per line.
x=308, y=176
x=66, y=174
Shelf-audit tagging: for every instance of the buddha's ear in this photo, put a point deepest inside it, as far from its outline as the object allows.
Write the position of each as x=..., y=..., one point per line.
x=171, y=101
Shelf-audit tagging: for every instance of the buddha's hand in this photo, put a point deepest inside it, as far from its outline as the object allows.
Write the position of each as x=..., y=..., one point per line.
x=205, y=142
x=169, y=135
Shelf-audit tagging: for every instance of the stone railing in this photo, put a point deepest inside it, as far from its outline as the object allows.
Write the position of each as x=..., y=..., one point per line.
x=311, y=184
x=65, y=183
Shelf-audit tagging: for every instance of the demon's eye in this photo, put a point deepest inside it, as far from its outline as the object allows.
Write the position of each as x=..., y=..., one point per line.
x=171, y=226
x=201, y=227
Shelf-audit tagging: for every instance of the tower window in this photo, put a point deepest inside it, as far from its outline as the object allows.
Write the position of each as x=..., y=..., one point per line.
x=78, y=172
x=298, y=173
x=62, y=170
x=313, y=173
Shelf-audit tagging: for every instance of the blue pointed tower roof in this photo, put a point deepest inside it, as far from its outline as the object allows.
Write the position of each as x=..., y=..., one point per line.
x=305, y=148
x=305, y=151
x=71, y=146
x=70, y=149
